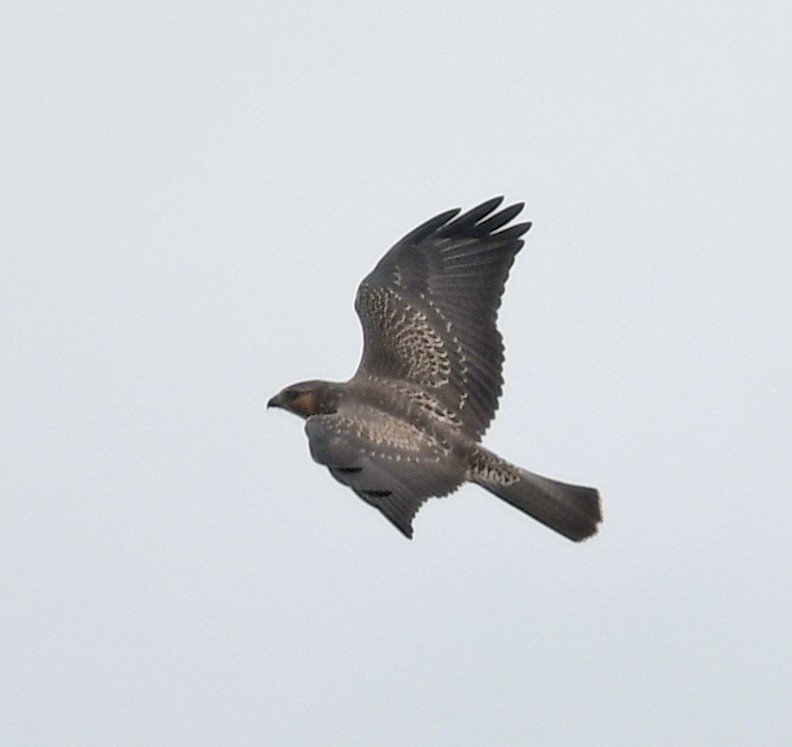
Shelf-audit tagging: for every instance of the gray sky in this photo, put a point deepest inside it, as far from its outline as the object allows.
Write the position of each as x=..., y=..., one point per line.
x=191, y=193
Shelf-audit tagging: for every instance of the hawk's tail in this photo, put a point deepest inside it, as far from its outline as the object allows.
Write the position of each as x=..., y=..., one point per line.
x=571, y=510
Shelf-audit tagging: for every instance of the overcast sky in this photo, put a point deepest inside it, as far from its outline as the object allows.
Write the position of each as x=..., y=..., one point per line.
x=191, y=193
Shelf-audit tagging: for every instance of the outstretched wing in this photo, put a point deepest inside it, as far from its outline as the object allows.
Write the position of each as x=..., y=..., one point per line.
x=389, y=463
x=429, y=310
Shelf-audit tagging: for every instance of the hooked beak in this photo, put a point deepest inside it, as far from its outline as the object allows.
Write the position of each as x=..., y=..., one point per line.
x=274, y=402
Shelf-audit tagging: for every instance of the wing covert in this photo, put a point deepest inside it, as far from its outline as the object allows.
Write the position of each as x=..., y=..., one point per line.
x=389, y=463
x=429, y=309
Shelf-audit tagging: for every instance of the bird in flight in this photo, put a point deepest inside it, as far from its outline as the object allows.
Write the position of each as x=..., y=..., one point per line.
x=408, y=425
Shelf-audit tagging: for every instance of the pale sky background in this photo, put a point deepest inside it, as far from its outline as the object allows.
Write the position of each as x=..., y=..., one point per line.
x=191, y=193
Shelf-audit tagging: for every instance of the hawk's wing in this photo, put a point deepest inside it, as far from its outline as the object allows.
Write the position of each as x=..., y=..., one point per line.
x=389, y=463
x=429, y=310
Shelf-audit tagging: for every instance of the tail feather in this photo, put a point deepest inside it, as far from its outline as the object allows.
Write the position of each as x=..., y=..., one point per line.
x=571, y=510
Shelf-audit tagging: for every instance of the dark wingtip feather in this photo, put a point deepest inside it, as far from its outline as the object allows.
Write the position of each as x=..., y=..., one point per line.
x=494, y=222
x=471, y=217
x=513, y=232
x=427, y=228
x=401, y=522
x=485, y=208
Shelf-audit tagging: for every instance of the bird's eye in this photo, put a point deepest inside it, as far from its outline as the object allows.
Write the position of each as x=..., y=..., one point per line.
x=290, y=395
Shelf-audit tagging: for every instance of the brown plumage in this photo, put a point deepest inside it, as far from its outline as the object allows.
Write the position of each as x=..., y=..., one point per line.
x=407, y=425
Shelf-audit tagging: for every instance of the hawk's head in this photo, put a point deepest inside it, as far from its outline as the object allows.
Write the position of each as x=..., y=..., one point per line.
x=308, y=398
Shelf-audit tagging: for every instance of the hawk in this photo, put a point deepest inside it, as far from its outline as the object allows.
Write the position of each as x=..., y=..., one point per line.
x=408, y=425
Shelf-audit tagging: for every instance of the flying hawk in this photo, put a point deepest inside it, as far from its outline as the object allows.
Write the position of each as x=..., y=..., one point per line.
x=407, y=425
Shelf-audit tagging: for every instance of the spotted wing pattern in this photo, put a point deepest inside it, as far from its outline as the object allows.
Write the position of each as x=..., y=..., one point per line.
x=429, y=310
x=390, y=463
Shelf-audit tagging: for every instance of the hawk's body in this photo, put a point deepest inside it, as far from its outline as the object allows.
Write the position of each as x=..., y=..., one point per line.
x=407, y=425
